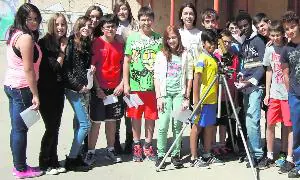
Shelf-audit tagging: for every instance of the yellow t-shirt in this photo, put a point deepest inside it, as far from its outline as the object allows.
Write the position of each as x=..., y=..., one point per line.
x=208, y=67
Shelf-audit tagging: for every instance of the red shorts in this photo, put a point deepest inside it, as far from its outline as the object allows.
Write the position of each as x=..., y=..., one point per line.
x=279, y=111
x=149, y=108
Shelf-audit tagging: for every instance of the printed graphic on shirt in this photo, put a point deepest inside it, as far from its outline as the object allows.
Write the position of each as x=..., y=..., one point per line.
x=277, y=68
x=143, y=54
x=174, y=75
x=294, y=57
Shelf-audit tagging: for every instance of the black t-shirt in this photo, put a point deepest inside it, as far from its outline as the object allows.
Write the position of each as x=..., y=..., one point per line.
x=291, y=55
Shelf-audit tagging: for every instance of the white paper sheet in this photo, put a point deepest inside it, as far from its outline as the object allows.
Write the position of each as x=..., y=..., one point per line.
x=182, y=115
x=110, y=99
x=133, y=101
x=30, y=116
x=127, y=101
x=90, y=78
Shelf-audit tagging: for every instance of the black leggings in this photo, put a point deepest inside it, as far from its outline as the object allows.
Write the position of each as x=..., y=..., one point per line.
x=51, y=108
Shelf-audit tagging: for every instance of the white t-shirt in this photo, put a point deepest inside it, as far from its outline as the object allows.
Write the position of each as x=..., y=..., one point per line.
x=191, y=40
x=190, y=37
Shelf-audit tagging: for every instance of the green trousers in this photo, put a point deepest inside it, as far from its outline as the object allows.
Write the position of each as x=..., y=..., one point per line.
x=172, y=103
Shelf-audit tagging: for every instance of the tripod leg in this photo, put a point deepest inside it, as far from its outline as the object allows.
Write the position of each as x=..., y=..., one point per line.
x=172, y=146
x=239, y=126
x=234, y=145
x=195, y=111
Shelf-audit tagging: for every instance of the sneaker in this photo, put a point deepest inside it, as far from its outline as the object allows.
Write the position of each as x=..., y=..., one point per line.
x=266, y=163
x=294, y=173
x=199, y=163
x=255, y=163
x=51, y=171
x=30, y=172
x=214, y=161
x=286, y=167
x=113, y=156
x=137, y=152
x=149, y=153
x=61, y=169
x=90, y=158
x=158, y=161
x=281, y=159
x=176, y=161
x=76, y=165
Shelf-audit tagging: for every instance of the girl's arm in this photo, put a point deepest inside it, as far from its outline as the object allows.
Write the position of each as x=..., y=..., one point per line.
x=26, y=45
x=268, y=84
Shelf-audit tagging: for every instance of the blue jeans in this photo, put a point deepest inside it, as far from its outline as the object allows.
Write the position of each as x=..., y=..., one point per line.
x=19, y=100
x=252, y=105
x=294, y=102
x=82, y=124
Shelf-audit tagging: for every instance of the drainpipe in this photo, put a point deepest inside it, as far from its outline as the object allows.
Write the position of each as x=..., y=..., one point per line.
x=216, y=5
x=172, y=13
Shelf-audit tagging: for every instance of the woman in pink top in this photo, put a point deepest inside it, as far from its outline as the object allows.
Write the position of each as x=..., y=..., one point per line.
x=20, y=84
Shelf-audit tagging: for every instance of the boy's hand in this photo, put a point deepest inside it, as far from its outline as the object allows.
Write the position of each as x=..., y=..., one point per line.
x=118, y=90
x=266, y=100
x=93, y=69
x=126, y=89
x=160, y=104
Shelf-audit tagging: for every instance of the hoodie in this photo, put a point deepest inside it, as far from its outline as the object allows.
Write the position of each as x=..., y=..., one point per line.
x=253, y=49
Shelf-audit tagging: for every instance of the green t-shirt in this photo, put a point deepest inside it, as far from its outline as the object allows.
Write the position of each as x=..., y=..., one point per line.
x=174, y=75
x=142, y=50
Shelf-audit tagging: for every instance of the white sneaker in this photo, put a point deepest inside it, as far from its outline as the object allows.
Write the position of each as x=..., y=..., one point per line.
x=52, y=171
x=113, y=156
x=61, y=169
x=90, y=158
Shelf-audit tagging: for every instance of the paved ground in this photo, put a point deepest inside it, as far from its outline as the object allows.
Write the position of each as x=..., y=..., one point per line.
x=104, y=170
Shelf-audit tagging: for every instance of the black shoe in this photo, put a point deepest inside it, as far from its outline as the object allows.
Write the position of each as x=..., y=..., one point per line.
x=176, y=161
x=158, y=161
x=266, y=163
x=255, y=163
x=286, y=167
x=77, y=165
x=294, y=173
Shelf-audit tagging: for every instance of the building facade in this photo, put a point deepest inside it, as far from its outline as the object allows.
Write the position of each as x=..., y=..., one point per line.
x=227, y=8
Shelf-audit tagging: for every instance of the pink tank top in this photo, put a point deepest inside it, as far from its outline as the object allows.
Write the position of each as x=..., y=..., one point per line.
x=15, y=75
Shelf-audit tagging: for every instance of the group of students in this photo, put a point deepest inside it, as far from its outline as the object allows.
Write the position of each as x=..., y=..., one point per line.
x=169, y=73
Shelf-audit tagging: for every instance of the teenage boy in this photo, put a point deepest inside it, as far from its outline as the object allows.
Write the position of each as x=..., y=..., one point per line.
x=277, y=101
x=206, y=69
x=140, y=53
x=290, y=59
x=108, y=59
x=251, y=80
x=209, y=19
x=261, y=23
